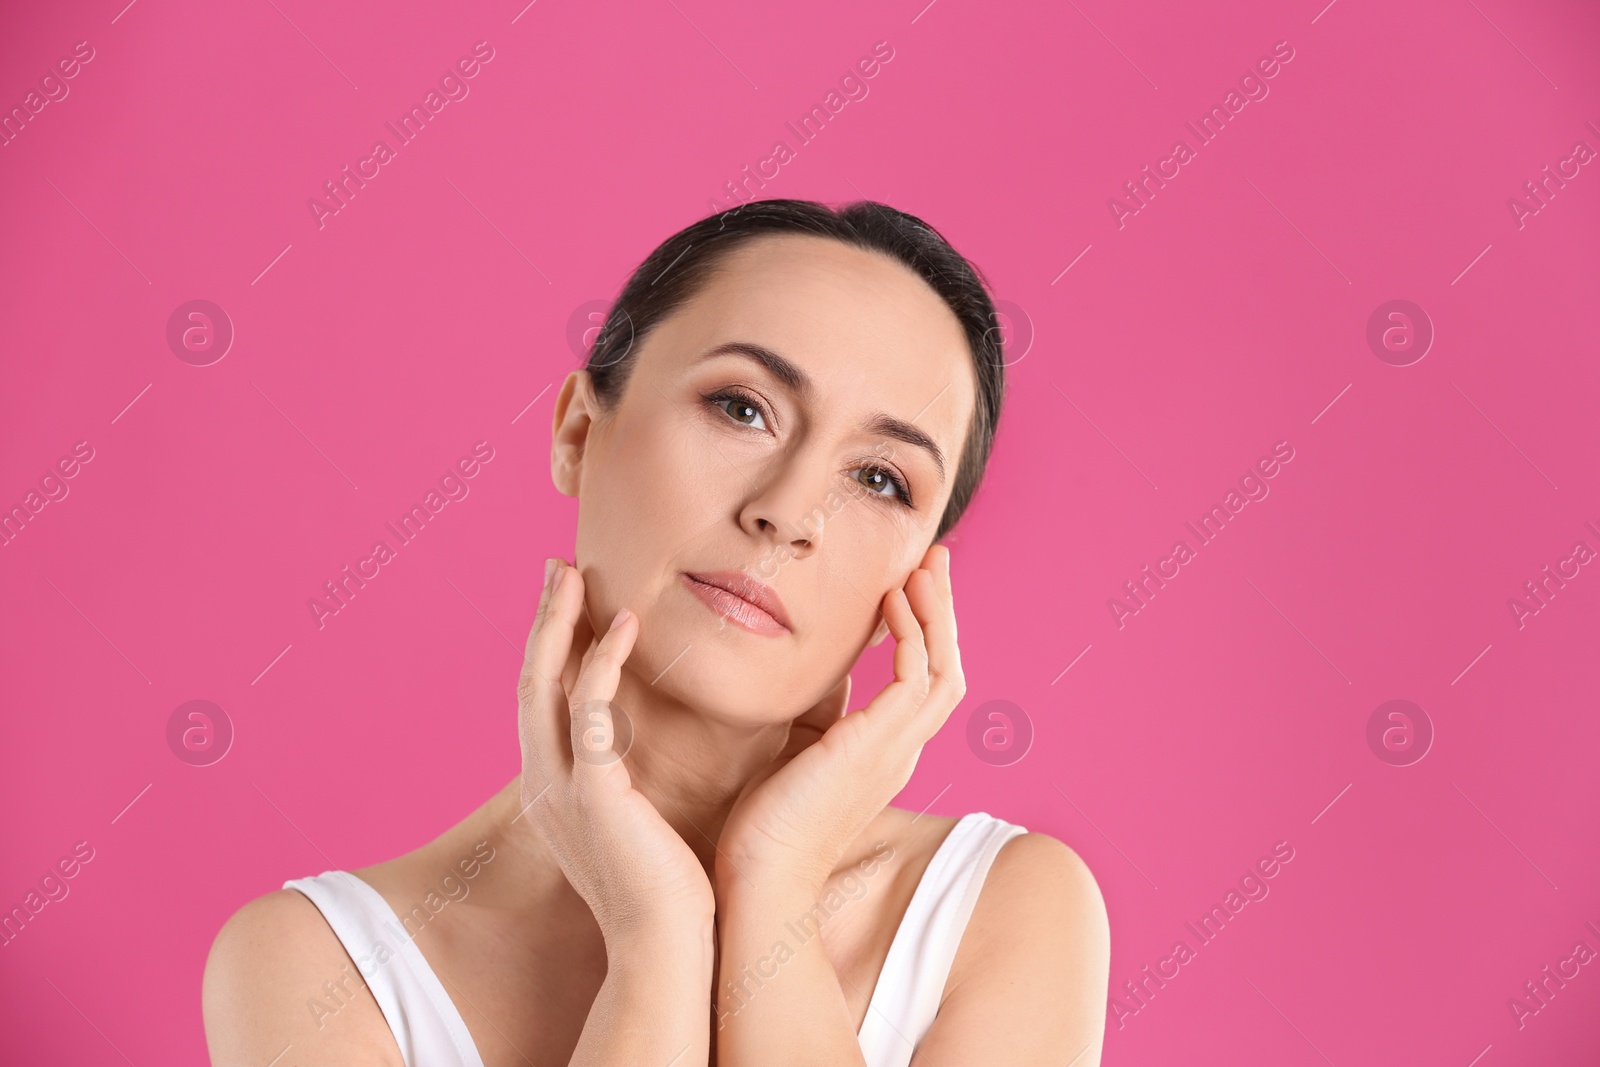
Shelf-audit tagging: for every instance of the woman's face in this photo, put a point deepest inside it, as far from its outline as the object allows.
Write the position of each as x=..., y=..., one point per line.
x=780, y=473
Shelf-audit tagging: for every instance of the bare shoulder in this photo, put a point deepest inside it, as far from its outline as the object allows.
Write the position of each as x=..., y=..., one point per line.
x=1033, y=966
x=277, y=979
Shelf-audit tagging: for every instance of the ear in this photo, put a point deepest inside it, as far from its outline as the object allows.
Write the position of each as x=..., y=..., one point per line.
x=569, y=431
x=880, y=633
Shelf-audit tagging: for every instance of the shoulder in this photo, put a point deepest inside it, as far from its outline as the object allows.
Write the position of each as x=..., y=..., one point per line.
x=1040, y=896
x=278, y=976
x=1033, y=965
x=1046, y=877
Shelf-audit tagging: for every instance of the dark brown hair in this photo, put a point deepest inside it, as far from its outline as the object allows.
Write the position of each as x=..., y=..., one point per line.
x=682, y=264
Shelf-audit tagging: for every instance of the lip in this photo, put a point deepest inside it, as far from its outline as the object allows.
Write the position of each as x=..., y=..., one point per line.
x=741, y=600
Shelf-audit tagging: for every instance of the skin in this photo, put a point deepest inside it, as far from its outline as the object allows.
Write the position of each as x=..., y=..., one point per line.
x=627, y=896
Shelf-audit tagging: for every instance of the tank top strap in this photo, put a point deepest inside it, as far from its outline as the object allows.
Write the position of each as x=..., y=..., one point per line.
x=420, y=1013
x=912, y=982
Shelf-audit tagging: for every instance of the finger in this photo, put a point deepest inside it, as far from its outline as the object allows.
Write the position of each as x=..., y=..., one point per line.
x=910, y=685
x=936, y=614
x=942, y=573
x=583, y=642
x=541, y=698
x=590, y=718
x=816, y=720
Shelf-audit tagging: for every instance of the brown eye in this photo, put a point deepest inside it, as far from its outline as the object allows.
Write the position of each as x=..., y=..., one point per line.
x=740, y=408
x=879, y=478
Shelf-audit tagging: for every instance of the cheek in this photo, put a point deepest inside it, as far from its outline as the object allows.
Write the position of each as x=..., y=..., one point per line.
x=649, y=493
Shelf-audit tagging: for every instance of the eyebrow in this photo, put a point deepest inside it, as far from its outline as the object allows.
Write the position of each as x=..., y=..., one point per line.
x=799, y=382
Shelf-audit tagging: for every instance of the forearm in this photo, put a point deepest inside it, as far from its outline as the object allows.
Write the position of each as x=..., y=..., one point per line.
x=779, y=1001
x=653, y=1005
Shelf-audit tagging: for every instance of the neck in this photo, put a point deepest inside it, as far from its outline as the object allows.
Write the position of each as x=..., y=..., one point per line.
x=690, y=766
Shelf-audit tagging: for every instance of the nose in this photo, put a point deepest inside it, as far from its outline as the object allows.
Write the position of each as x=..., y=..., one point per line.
x=789, y=506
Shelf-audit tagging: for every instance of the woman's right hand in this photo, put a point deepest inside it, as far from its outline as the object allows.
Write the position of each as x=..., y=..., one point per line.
x=634, y=871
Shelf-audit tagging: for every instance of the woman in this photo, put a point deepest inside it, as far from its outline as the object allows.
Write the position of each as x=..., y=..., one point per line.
x=785, y=411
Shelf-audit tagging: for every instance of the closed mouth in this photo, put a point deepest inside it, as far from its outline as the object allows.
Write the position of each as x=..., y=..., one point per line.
x=757, y=606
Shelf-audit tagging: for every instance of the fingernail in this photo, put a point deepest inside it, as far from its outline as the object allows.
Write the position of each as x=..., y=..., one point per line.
x=561, y=572
x=622, y=613
x=549, y=569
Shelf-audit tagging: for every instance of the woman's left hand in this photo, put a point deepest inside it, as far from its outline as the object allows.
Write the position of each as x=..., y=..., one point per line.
x=796, y=818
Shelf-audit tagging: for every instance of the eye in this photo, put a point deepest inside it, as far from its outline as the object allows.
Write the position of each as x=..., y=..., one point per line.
x=743, y=407
x=879, y=477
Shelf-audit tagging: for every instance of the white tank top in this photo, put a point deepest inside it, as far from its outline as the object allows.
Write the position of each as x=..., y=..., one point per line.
x=431, y=1032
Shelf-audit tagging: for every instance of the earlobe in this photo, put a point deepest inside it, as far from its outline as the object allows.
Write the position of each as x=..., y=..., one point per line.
x=569, y=431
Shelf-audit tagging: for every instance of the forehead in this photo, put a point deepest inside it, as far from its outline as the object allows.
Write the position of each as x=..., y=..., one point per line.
x=865, y=327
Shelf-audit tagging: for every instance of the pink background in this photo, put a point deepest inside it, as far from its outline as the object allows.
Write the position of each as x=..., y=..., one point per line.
x=1228, y=314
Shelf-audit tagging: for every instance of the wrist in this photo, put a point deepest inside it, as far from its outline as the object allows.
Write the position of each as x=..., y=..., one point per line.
x=662, y=950
x=767, y=883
